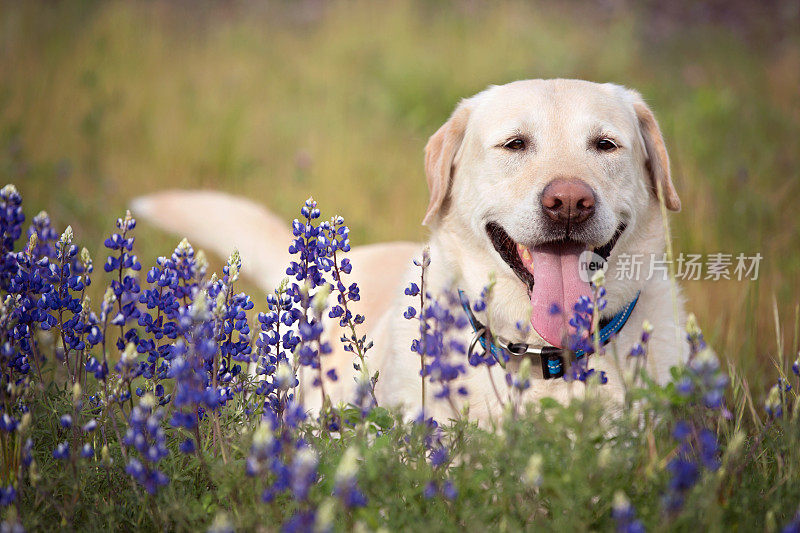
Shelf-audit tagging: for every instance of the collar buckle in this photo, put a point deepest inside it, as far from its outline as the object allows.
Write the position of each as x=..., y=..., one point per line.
x=552, y=362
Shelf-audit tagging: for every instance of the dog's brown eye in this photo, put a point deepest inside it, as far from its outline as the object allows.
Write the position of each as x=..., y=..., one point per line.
x=606, y=145
x=515, y=144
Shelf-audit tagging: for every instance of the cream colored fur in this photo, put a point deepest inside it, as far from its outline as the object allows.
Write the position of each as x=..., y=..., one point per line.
x=472, y=181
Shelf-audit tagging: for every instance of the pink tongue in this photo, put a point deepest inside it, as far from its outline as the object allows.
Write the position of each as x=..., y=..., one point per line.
x=556, y=281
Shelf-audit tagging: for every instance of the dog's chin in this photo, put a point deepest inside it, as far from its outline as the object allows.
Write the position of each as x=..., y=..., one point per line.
x=518, y=255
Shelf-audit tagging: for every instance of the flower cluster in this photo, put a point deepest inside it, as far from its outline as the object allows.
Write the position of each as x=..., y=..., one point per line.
x=171, y=286
x=431, y=436
x=24, y=277
x=291, y=333
x=703, y=387
x=346, y=486
x=639, y=350
x=346, y=295
x=183, y=342
x=442, y=353
x=46, y=236
x=79, y=331
x=338, y=239
x=624, y=515
x=584, y=326
x=520, y=381
x=290, y=462
x=146, y=437
x=705, y=378
x=79, y=430
x=274, y=349
x=124, y=264
x=11, y=219
x=191, y=358
x=18, y=459
x=778, y=398
x=794, y=525
x=697, y=449
x=313, y=247
x=447, y=489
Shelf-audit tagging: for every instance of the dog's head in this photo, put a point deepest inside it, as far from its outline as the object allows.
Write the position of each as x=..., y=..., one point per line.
x=532, y=174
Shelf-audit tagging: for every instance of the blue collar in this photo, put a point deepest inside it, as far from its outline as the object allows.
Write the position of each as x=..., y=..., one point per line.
x=552, y=358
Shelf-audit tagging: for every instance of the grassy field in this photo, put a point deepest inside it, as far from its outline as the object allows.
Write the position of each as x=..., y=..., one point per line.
x=101, y=102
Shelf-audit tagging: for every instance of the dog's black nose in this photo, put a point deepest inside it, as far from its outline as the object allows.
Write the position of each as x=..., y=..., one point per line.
x=568, y=200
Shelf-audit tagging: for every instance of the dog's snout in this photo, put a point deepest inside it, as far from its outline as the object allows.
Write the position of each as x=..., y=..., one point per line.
x=568, y=200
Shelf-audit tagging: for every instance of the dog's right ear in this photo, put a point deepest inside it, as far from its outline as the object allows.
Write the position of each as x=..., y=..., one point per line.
x=656, y=151
x=440, y=153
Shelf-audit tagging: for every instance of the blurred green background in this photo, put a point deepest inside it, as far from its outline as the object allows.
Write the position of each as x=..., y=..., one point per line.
x=104, y=101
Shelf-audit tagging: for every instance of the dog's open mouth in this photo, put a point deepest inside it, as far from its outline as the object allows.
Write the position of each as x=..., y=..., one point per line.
x=551, y=272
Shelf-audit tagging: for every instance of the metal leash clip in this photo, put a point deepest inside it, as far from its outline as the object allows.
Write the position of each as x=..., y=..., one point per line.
x=549, y=356
x=479, y=337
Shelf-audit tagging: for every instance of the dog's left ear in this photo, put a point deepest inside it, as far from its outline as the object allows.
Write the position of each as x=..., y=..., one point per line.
x=440, y=153
x=657, y=158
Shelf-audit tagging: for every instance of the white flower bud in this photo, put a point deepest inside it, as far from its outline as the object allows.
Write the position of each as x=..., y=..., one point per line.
x=325, y=515
x=691, y=326
x=199, y=309
x=76, y=394
x=201, y=261
x=221, y=523
x=24, y=424
x=621, y=502
x=32, y=242
x=234, y=265
x=533, y=471
x=348, y=466
x=66, y=237
x=219, y=304
x=321, y=298
x=128, y=357
x=109, y=297
x=105, y=456
x=148, y=401
x=284, y=284
x=263, y=436
x=306, y=457
x=774, y=398
x=604, y=456
x=9, y=190
x=33, y=473
x=284, y=376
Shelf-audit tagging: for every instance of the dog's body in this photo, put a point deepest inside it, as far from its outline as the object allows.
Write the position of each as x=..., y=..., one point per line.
x=552, y=166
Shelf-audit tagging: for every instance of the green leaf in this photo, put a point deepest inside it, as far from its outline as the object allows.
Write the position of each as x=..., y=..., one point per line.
x=548, y=403
x=381, y=417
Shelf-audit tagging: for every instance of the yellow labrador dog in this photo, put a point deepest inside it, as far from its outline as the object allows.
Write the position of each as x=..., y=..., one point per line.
x=525, y=180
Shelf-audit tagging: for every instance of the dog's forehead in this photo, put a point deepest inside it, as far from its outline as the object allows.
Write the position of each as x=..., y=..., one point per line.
x=545, y=103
